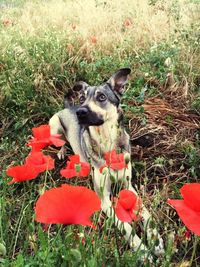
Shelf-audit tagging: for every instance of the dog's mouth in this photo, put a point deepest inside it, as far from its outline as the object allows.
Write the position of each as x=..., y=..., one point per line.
x=87, y=117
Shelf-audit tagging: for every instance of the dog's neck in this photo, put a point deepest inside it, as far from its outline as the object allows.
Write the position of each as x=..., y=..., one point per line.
x=105, y=136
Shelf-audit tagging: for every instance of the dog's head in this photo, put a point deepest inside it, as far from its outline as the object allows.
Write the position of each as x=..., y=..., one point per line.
x=99, y=104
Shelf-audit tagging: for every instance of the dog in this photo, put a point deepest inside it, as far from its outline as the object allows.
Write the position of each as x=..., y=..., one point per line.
x=95, y=127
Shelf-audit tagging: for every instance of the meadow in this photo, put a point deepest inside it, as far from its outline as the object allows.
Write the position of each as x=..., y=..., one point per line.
x=48, y=45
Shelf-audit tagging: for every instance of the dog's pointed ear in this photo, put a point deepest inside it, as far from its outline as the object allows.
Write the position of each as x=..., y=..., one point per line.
x=73, y=93
x=119, y=79
x=78, y=86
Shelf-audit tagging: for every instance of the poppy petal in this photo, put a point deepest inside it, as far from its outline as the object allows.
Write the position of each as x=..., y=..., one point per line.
x=190, y=217
x=75, y=168
x=22, y=173
x=40, y=161
x=38, y=145
x=128, y=199
x=110, y=157
x=43, y=138
x=122, y=214
x=85, y=169
x=35, y=158
x=118, y=166
x=56, y=141
x=68, y=173
x=115, y=161
x=67, y=205
x=128, y=206
x=41, y=132
x=191, y=195
x=74, y=159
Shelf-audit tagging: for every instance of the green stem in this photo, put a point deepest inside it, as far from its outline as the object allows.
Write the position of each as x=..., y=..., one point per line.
x=196, y=241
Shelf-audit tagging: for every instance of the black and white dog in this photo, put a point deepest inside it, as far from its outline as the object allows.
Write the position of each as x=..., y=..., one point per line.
x=94, y=128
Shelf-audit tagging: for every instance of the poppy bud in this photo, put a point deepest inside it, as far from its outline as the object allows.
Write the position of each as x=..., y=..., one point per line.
x=77, y=167
x=127, y=158
x=113, y=178
x=105, y=171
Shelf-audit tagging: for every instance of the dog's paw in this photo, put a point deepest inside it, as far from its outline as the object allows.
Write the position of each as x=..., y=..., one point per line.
x=156, y=240
x=159, y=250
x=62, y=153
x=143, y=254
x=144, y=257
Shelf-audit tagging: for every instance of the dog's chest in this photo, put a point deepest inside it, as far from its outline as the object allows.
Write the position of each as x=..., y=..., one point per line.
x=105, y=137
x=98, y=140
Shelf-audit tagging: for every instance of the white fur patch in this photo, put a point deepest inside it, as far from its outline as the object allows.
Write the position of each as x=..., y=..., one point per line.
x=107, y=133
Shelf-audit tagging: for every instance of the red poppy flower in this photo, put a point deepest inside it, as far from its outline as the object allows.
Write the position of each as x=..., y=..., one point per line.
x=74, y=26
x=75, y=168
x=43, y=138
x=128, y=23
x=40, y=161
x=188, y=208
x=67, y=205
x=93, y=39
x=22, y=173
x=7, y=22
x=128, y=206
x=114, y=161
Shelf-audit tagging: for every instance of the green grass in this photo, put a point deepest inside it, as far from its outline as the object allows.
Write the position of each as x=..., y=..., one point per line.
x=36, y=69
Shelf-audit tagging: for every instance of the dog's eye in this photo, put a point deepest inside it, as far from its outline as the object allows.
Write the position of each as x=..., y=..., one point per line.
x=101, y=98
x=82, y=99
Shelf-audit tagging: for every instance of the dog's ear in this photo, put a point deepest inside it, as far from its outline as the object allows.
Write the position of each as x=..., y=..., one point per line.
x=72, y=94
x=78, y=86
x=119, y=79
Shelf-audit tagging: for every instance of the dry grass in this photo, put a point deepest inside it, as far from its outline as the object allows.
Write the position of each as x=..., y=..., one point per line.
x=107, y=24
x=171, y=128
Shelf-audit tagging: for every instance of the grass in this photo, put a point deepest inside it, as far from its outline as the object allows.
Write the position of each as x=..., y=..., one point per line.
x=48, y=45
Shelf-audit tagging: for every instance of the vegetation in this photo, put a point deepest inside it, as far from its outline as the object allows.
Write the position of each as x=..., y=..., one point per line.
x=48, y=45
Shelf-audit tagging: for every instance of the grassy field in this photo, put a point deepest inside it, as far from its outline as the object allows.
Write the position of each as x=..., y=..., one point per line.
x=48, y=45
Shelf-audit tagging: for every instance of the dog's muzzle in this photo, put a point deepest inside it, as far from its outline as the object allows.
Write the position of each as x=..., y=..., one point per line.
x=82, y=112
x=87, y=117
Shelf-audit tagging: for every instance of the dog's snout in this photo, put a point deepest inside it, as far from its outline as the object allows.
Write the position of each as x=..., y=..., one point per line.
x=88, y=117
x=82, y=112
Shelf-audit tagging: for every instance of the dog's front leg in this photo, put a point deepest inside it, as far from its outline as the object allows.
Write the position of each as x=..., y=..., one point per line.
x=102, y=186
x=65, y=122
x=153, y=236
x=57, y=128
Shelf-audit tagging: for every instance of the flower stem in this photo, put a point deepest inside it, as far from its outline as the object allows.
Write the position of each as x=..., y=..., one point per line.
x=196, y=241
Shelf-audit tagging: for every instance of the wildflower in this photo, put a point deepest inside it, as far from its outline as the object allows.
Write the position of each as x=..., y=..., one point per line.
x=43, y=138
x=128, y=23
x=114, y=161
x=93, y=39
x=127, y=206
x=40, y=161
x=22, y=173
x=7, y=22
x=75, y=168
x=35, y=163
x=67, y=205
x=188, y=208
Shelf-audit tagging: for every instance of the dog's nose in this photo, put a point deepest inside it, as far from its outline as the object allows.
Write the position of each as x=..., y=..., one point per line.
x=82, y=112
